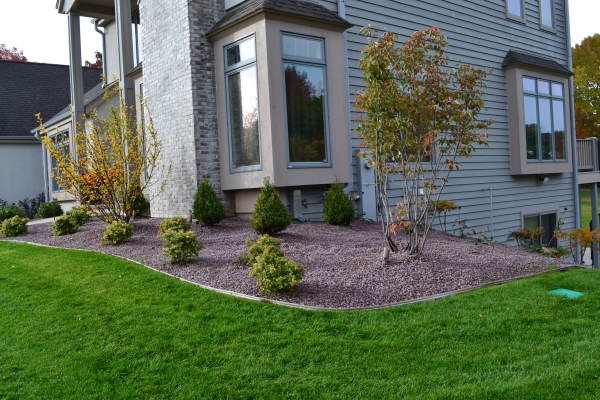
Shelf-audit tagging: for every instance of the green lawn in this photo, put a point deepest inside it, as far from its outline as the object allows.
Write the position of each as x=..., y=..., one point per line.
x=85, y=325
x=586, y=204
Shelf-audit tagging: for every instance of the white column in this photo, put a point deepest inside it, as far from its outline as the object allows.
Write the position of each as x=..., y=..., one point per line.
x=76, y=69
x=125, y=40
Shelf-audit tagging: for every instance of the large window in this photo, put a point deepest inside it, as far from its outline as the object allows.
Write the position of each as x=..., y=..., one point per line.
x=305, y=100
x=547, y=14
x=242, y=105
x=544, y=103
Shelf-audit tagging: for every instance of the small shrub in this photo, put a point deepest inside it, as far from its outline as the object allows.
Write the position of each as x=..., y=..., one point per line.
x=49, y=210
x=273, y=270
x=527, y=238
x=442, y=208
x=32, y=206
x=208, y=210
x=117, y=233
x=270, y=215
x=337, y=206
x=181, y=246
x=80, y=216
x=64, y=225
x=178, y=224
x=256, y=248
x=140, y=203
x=14, y=226
x=9, y=211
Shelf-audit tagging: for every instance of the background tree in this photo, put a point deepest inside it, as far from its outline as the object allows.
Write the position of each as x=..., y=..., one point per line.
x=419, y=117
x=586, y=66
x=11, y=54
x=105, y=171
x=97, y=63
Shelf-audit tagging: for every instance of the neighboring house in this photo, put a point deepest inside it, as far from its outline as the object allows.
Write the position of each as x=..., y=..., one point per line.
x=28, y=88
x=244, y=90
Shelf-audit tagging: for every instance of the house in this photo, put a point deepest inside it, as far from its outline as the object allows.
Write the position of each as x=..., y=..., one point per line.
x=244, y=90
x=28, y=88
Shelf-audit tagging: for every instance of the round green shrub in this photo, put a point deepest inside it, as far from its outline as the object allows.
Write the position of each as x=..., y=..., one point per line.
x=256, y=248
x=49, y=210
x=80, y=216
x=337, y=207
x=178, y=224
x=11, y=210
x=208, y=210
x=270, y=215
x=14, y=226
x=117, y=233
x=181, y=246
x=64, y=225
x=274, y=272
x=140, y=203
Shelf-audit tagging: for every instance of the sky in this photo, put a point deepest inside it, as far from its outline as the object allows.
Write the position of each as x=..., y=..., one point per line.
x=35, y=27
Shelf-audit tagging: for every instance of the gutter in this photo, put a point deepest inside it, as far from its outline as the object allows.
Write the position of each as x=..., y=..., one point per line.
x=573, y=130
x=341, y=10
x=51, y=121
x=95, y=22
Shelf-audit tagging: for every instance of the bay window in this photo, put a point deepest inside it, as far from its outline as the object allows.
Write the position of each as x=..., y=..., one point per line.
x=544, y=108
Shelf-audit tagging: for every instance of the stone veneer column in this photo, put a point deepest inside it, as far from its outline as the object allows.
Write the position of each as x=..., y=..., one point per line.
x=179, y=81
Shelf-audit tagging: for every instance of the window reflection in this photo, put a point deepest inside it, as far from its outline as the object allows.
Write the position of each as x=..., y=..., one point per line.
x=531, y=127
x=243, y=118
x=305, y=105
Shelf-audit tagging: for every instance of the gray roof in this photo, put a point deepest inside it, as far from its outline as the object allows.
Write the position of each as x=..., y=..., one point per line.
x=300, y=8
x=28, y=88
x=517, y=57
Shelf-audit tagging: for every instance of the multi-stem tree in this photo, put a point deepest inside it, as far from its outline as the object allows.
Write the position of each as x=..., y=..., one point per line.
x=419, y=117
x=114, y=161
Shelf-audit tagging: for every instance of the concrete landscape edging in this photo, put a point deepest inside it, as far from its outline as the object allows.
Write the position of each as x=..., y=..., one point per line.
x=318, y=308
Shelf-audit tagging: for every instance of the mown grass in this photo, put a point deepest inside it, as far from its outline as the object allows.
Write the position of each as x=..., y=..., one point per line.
x=86, y=325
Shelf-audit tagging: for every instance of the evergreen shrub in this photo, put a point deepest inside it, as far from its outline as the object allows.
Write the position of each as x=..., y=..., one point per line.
x=117, y=233
x=14, y=226
x=208, y=210
x=11, y=210
x=79, y=216
x=178, y=224
x=274, y=272
x=64, y=225
x=49, y=210
x=181, y=246
x=140, y=203
x=270, y=214
x=337, y=206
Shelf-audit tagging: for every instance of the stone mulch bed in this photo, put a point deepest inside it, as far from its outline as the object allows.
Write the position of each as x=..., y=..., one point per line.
x=344, y=264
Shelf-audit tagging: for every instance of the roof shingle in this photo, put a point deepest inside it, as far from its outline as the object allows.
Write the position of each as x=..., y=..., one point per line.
x=27, y=88
x=516, y=57
x=301, y=8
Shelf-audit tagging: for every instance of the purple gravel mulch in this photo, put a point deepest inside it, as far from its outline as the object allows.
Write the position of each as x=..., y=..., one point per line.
x=344, y=265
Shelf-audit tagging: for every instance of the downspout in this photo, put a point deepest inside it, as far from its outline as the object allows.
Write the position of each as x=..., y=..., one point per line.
x=491, y=212
x=95, y=21
x=341, y=8
x=573, y=130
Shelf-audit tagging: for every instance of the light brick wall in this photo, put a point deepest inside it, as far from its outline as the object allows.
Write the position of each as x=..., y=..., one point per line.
x=179, y=82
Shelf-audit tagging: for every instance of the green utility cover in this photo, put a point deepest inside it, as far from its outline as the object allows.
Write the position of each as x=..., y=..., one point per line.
x=571, y=294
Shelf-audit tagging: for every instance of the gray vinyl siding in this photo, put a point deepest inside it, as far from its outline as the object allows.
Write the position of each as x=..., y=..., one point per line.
x=20, y=171
x=479, y=34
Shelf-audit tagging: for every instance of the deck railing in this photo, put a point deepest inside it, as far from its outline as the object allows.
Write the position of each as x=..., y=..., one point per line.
x=587, y=154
